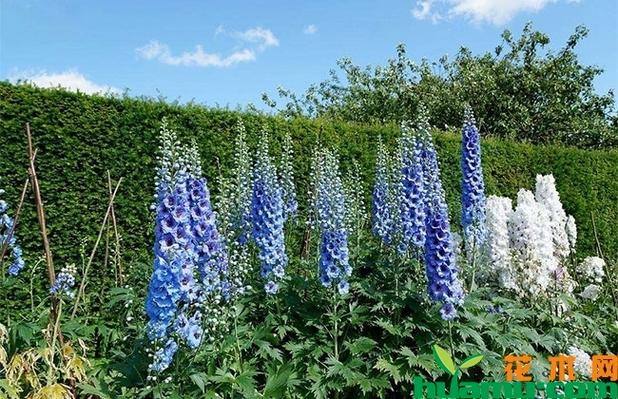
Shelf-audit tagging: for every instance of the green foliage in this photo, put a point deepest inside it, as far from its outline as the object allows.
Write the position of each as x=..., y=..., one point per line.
x=80, y=137
x=521, y=91
x=305, y=342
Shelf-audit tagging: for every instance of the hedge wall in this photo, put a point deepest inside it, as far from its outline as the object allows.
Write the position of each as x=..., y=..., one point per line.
x=79, y=137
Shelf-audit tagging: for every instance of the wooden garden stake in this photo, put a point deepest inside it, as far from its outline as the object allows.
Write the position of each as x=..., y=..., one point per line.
x=40, y=212
x=82, y=285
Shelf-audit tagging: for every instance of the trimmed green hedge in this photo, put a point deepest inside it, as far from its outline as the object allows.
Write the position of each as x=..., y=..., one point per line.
x=79, y=137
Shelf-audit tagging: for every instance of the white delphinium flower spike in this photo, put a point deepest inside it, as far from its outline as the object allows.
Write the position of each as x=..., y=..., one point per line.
x=547, y=195
x=499, y=257
x=532, y=244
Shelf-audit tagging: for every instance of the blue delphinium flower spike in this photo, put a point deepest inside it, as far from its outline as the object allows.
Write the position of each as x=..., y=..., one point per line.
x=288, y=188
x=472, y=186
x=440, y=262
x=7, y=238
x=335, y=266
x=190, y=265
x=412, y=189
x=267, y=216
x=382, y=211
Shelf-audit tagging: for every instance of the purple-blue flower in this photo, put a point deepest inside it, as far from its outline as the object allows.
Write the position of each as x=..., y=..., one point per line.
x=164, y=356
x=7, y=237
x=334, y=261
x=472, y=185
x=268, y=219
x=190, y=329
x=412, y=190
x=190, y=260
x=212, y=262
x=64, y=282
x=440, y=261
x=383, y=213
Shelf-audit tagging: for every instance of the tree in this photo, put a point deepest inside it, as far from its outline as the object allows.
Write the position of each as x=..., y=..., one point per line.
x=522, y=90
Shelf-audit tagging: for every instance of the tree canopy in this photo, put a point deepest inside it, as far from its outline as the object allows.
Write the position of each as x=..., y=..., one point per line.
x=522, y=90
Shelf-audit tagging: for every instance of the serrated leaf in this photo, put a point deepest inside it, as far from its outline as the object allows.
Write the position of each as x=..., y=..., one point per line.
x=276, y=384
x=444, y=360
x=8, y=390
x=392, y=370
x=199, y=379
x=471, y=361
x=361, y=345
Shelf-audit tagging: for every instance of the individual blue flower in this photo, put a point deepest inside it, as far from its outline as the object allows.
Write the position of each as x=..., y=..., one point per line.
x=472, y=185
x=17, y=263
x=412, y=190
x=383, y=213
x=164, y=356
x=334, y=256
x=448, y=311
x=343, y=287
x=268, y=219
x=8, y=240
x=190, y=329
x=271, y=287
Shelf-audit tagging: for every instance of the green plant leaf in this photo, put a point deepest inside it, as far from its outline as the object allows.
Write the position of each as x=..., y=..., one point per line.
x=199, y=379
x=444, y=360
x=471, y=361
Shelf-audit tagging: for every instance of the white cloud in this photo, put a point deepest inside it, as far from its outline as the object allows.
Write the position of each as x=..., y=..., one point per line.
x=310, y=29
x=263, y=37
x=260, y=38
x=497, y=12
x=71, y=80
x=422, y=9
x=156, y=50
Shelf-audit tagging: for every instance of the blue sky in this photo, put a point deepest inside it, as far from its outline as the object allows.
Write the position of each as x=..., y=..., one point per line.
x=228, y=52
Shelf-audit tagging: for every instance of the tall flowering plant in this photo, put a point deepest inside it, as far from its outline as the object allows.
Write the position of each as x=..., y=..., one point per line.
x=234, y=212
x=472, y=187
x=440, y=262
x=268, y=218
x=382, y=213
x=547, y=195
x=334, y=260
x=190, y=266
x=354, y=191
x=533, y=256
x=412, y=188
x=526, y=247
x=286, y=170
x=242, y=192
x=499, y=257
x=8, y=240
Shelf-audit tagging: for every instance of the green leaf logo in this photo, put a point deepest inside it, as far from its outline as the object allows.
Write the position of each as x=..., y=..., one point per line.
x=471, y=361
x=444, y=360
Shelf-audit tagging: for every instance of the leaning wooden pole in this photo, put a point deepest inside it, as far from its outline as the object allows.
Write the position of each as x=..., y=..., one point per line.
x=40, y=212
x=117, y=264
x=82, y=285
